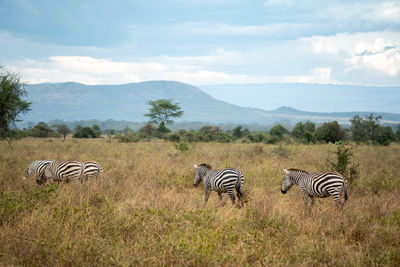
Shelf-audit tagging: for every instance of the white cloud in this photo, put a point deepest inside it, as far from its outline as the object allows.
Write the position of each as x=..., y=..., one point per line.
x=387, y=12
x=90, y=70
x=381, y=55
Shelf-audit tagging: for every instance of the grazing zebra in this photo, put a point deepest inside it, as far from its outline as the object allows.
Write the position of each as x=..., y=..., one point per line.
x=222, y=181
x=92, y=169
x=62, y=171
x=316, y=185
x=36, y=167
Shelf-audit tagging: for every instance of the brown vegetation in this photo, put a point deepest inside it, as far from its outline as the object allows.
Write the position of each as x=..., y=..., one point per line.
x=145, y=210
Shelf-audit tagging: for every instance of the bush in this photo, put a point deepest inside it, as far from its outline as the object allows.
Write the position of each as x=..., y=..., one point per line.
x=270, y=139
x=330, y=132
x=278, y=131
x=384, y=136
x=42, y=130
x=87, y=132
x=343, y=160
x=182, y=146
x=128, y=138
x=303, y=132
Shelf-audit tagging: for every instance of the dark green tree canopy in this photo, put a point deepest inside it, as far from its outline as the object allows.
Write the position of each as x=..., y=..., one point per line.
x=11, y=102
x=162, y=110
x=330, y=132
x=278, y=130
x=42, y=130
x=303, y=132
x=87, y=132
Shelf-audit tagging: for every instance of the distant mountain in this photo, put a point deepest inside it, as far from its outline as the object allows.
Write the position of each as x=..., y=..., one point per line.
x=129, y=102
x=310, y=97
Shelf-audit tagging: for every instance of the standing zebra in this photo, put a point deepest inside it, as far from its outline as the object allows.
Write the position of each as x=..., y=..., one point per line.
x=63, y=171
x=222, y=181
x=37, y=167
x=316, y=185
x=92, y=169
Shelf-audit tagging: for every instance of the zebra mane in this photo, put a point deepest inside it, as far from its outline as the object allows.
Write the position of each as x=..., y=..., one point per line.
x=208, y=166
x=298, y=170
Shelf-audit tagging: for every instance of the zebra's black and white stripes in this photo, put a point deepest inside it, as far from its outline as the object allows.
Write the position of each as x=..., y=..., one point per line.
x=222, y=181
x=37, y=167
x=316, y=185
x=64, y=171
x=92, y=169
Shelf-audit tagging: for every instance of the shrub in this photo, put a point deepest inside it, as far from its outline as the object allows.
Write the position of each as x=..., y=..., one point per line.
x=303, y=132
x=86, y=132
x=330, y=132
x=278, y=131
x=42, y=130
x=181, y=146
x=344, y=154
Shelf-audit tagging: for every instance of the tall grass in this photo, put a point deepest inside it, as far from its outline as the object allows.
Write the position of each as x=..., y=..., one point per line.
x=145, y=210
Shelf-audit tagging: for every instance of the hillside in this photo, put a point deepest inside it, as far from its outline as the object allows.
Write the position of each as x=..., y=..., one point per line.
x=129, y=102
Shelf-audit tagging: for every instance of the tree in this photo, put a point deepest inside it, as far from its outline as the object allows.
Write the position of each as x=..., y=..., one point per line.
x=330, y=132
x=398, y=133
x=161, y=111
x=11, y=103
x=42, y=130
x=63, y=129
x=364, y=129
x=237, y=132
x=369, y=129
x=303, y=132
x=384, y=136
x=148, y=129
x=86, y=132
x=278, y=131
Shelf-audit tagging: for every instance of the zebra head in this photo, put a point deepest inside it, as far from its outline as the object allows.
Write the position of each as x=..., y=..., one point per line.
x=201, y=171
x=287, y=182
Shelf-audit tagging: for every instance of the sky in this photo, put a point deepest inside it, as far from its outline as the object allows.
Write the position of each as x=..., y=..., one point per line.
x=202, y=42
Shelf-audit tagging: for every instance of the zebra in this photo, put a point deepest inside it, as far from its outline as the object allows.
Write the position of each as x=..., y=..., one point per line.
x=92, y=169
x=62, y=171
x=316, y=185
x=36, y=167
x=222, y=181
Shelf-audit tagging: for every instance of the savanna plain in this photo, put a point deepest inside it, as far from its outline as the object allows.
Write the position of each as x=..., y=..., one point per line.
x=145, y=211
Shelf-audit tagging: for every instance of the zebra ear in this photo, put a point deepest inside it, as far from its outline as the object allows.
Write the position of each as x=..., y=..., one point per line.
x=285, y=171
x=195, y=166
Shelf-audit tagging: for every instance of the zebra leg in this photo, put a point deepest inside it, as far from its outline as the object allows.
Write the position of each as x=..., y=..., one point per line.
x=232, y=196
x=305, y=199
x=336, y=199
x=220, y=196
x=207, y=195
x=240, y=197
x=312, y=202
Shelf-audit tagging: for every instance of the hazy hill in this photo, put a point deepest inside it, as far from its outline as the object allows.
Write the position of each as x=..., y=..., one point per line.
x=74, y=101
x=310, y=97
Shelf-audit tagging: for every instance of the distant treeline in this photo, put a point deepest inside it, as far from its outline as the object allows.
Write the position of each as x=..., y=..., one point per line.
x=366, y=130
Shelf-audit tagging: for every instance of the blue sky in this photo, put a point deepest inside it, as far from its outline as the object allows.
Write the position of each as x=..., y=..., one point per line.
x=202, y=42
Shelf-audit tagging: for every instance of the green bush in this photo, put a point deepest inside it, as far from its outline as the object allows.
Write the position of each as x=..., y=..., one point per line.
x=343, y=163
x=330, y=132
x=87, y=132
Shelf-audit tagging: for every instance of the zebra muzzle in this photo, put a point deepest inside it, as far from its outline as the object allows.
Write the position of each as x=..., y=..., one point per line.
x=283, y=192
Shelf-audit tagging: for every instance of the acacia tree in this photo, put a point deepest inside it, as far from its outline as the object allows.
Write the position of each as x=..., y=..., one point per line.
x=11, y=102
x=63, y=129
x=161, y=112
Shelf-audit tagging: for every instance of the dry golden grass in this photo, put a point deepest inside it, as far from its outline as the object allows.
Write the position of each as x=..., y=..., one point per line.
x=145, y=210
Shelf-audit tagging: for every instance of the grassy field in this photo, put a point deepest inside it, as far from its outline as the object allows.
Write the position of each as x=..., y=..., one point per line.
x=145, y=210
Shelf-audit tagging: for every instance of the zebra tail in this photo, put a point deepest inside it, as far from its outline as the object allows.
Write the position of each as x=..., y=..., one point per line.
x=346, y=197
